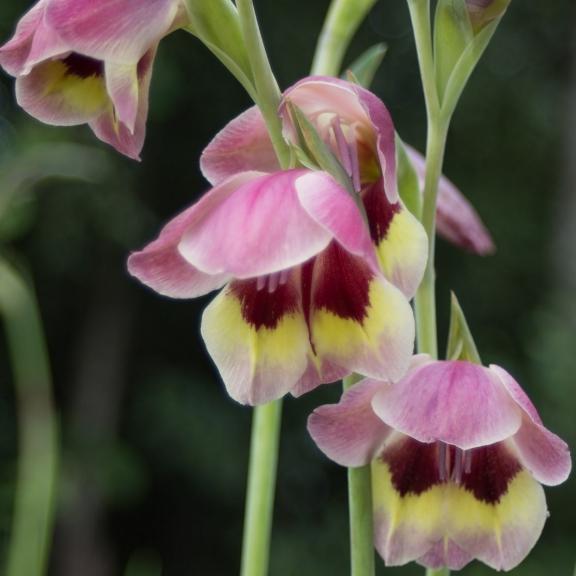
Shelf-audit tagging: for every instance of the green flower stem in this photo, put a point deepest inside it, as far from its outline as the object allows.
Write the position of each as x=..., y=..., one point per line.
x=360, y=511
x=440, y=572
x=261, y=487
x=38, y=430
x=267, y=90
x=344, y=18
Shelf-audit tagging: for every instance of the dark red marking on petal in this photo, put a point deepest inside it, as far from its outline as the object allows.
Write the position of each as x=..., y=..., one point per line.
x=493, y=468
x=413, y=466
x=341, y=283
x=83, y=66
x=264, y=309
x=379, y=211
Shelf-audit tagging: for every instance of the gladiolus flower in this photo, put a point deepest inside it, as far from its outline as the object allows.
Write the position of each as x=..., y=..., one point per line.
x=341, y=113
x=86, y=62
x=459, y=453
x=319, y=279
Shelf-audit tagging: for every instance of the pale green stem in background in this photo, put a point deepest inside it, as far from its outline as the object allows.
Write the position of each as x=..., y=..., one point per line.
x=267, y=90
x=34, y=506
x=360, y=512
x=344, y=18
x=261, y=487
x=440, y=572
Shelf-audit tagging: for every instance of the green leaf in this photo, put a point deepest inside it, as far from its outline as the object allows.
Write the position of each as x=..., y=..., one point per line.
x=452, y=34
x=408, y=181
x=364, y=68
x=461, y=345
x=317, y=150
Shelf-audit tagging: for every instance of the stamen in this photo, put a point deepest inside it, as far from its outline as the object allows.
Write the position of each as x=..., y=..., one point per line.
x=283, y=277
x=468, y=462
x=457, y=470
x=342, y=145
x=260, y=282
x=273, y=281
x=355, y=164
x=443, y=461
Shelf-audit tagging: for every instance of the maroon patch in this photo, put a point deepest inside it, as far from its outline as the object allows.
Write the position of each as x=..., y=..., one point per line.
x=82, y=66
x=492, y=470
x=413, y=466
x=341, y=283
x=379, y=211
x=262, y=308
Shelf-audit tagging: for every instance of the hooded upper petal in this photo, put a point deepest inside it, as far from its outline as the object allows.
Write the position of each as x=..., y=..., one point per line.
x=160, y=264
x=257, y=336
x=118, y=30
x=543, y=453
x=242, y=145
x=456, y=219
x=356, y=107
x=260, y=229
x=439, y=402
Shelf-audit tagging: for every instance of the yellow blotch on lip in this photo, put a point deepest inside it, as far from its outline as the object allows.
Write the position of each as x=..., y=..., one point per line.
x=86, y=94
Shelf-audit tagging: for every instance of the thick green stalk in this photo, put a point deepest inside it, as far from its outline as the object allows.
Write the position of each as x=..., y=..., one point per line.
x=440, y=572
x=344, y=18
x=267, y=90
x=261, y=487
x=38, y=431
x=360, y=512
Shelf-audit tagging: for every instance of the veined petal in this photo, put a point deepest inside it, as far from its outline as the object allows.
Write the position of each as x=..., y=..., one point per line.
x=117, y=126
x=400, y=240
x=349, y=432
x=456, y=219
x=123, y=88
x=119, y=30
x=356, y=106
x=495, y=513
x=160, y=264
x=257, y=338
x=332, y=207
x=358, y=320
x=260, y=229
x=439, y=402
x=543, y=453
x=64, y=92
x=243, y=144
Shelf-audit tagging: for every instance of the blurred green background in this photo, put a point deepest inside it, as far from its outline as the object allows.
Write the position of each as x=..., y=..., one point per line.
x=154, y=452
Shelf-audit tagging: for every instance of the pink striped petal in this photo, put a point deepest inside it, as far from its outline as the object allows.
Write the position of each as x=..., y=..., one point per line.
x=356, y=106
x=160, y=264
x=242, y=145
x=122, y=85
x=334, y=209
x=543, y=453
x=349, y=433
x=439, y=402
x=456, y=219
x=260, y=229
x=118, y=30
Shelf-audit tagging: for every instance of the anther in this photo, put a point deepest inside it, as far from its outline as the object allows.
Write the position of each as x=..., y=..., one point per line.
x=457, y=470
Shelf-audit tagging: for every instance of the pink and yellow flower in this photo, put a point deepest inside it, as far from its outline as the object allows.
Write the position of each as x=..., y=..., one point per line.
x=458, y=456
x=85, y=62
x=317, y=281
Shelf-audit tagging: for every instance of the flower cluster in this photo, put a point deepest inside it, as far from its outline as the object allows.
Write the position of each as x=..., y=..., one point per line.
x=316, y=269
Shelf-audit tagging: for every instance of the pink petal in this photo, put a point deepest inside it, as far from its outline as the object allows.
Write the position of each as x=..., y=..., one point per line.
x=160, y=265
x=260, y=229
x=119, y=30
x=456, y=219
x=333, y=208
x=120, y=128
x=358, y=320
x=53, y=94
x=543, y=453
x=122, y=84
x=349, y=432
x=258, y=339
x=242, y=145
x=439, y=402
x=32, y=42
x=355, y=105
x=401, y=241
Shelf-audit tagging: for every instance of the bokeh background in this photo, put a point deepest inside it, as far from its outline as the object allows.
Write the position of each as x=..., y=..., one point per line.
x=154, y=453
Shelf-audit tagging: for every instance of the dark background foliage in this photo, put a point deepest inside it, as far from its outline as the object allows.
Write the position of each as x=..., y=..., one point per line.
x=154, y=452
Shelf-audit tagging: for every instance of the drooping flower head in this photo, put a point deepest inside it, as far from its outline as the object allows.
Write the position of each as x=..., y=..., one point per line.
x=79, y=61
x=317, y=283
x=459, y=453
